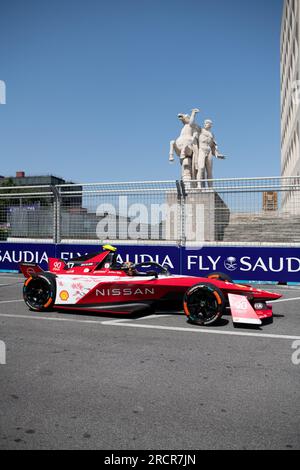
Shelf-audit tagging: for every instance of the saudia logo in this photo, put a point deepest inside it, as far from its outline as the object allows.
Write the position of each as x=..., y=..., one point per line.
x=245, y=264
x=230, y=263
x=16, y=256
x=116, y=292
x=164, y=260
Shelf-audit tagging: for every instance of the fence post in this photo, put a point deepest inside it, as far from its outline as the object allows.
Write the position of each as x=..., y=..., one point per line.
x=181, y=194
x=183, y=212
x=56, y=214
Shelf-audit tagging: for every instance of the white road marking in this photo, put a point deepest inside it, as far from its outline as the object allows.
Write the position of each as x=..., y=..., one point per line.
x=10, y=285
x=11, y=277
x=114, y=321
x=287, y=288
x=10, y=301
x=283, y=300
x=202, y=330
x=154, y=327
x=137, y=319
x=152, y=317
x=32, y=317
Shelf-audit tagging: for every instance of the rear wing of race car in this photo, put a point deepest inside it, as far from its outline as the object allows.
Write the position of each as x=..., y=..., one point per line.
x=28, y=269
x=55, y=265
x=59, y=266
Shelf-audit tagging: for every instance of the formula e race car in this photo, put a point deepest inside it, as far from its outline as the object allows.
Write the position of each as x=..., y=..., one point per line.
x=98, y=283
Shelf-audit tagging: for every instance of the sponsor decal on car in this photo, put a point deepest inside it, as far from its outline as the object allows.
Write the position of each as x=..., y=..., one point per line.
x=116, y=292
x=64, y=295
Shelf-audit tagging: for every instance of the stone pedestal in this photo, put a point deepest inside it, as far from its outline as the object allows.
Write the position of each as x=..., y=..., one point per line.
x=202, y=218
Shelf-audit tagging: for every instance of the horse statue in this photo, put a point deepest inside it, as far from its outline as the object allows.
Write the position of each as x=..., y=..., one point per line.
x=187, y=145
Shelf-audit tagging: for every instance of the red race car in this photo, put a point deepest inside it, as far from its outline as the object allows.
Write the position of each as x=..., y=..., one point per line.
x=98, y=283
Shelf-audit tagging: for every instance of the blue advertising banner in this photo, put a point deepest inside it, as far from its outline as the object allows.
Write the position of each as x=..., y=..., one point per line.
x=240, y=263
x=244, y=263
x=11, y=254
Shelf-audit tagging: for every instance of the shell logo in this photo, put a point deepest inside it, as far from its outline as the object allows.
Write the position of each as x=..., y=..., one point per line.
x=64, y=295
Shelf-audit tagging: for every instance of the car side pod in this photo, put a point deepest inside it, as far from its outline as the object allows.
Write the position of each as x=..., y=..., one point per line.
x=242, y=311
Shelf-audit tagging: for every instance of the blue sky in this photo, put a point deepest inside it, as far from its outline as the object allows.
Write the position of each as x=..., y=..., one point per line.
x=94, y=87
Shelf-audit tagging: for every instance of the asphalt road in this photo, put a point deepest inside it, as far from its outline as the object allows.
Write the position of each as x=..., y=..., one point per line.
x=90, y=382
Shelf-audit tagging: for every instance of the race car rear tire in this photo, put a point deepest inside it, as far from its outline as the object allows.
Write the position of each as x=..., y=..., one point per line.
x=204, y=304
x=220, y=277
x=39, y=292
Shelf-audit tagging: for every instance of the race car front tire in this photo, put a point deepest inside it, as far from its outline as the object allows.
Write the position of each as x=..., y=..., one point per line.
x=204, y=304
x=39, y=292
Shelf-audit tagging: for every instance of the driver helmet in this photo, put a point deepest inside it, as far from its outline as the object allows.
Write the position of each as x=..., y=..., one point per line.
x=129, y=266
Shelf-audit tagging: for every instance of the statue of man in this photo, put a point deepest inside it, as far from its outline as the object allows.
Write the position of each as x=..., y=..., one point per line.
x=207, y=150
x=186, y=146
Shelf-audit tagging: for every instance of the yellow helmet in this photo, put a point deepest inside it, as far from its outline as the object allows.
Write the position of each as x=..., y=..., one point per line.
x=109, y=248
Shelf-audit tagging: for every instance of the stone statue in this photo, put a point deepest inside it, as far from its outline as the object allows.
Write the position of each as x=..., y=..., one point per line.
x=186, y=146
x=208, y=149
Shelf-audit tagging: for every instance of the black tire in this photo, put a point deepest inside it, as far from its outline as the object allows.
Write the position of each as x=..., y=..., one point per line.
x=204, y=304
x=220, y=277
x=39, y=292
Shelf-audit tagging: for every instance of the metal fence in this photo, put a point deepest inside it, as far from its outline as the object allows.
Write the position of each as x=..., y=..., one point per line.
x=232, y=211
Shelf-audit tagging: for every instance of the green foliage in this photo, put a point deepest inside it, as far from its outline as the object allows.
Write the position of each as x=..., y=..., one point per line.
x=3, y=234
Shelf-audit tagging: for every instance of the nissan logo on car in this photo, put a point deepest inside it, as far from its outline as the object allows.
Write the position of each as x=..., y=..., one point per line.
x=116, y=292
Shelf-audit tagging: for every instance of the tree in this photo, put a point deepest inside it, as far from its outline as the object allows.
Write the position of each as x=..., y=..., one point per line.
x=4, y=201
